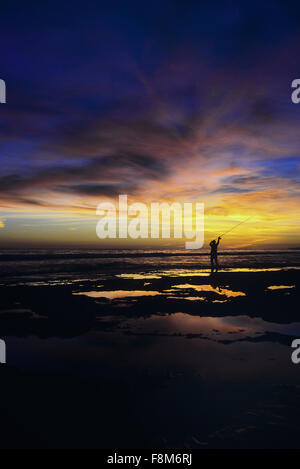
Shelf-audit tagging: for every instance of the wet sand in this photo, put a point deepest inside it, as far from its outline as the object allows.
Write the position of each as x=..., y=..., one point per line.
x=167, y=358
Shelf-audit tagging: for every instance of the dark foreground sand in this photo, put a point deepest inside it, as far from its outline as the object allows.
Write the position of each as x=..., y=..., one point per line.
x=177, y=359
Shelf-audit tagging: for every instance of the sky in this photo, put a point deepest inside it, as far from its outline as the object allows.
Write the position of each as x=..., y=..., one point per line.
x=164, y=101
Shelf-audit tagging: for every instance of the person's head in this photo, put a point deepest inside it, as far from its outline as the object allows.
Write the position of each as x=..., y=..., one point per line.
x=213, y=241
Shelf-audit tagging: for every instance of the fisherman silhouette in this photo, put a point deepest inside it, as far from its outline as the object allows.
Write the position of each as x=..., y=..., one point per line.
x=214, y=254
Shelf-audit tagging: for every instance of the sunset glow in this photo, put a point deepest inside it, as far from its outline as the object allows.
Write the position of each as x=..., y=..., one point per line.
x=181, y=117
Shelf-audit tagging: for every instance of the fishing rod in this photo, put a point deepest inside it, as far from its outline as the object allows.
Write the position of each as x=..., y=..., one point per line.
x=235, y=226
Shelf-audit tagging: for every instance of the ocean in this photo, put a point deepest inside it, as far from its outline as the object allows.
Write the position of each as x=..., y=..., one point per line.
x=21, y=265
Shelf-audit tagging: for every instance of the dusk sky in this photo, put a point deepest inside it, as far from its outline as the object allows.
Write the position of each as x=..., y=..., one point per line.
x=162, y=101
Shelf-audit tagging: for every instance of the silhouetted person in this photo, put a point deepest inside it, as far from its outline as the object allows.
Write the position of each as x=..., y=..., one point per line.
x=214, y=254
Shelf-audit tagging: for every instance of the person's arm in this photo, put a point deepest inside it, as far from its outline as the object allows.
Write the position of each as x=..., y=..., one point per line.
x=218, y=240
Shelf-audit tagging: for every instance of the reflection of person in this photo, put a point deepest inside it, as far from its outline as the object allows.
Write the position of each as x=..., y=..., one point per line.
x=214, y=254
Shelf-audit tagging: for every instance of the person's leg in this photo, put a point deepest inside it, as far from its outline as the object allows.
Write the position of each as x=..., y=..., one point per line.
x=211, y=264
x=217, y=264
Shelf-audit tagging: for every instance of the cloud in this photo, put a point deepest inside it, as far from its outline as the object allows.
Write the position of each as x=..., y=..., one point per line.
x=108, y=190
x=108, y=175
x=226, y=189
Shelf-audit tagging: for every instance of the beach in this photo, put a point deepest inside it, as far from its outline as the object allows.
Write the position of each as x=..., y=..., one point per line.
x=149, y=350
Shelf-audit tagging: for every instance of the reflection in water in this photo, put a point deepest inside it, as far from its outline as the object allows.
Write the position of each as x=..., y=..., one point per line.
x=111, y=295
x=138, y=276
x=192, y=272
x=189, y=298
x=246, y=269
x=182, y=323
x=280, y=287
x=210, y=288
x=167, y=273
x=209, y=369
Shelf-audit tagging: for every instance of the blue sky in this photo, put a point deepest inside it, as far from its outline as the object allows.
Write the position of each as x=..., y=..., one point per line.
x=161, y=100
